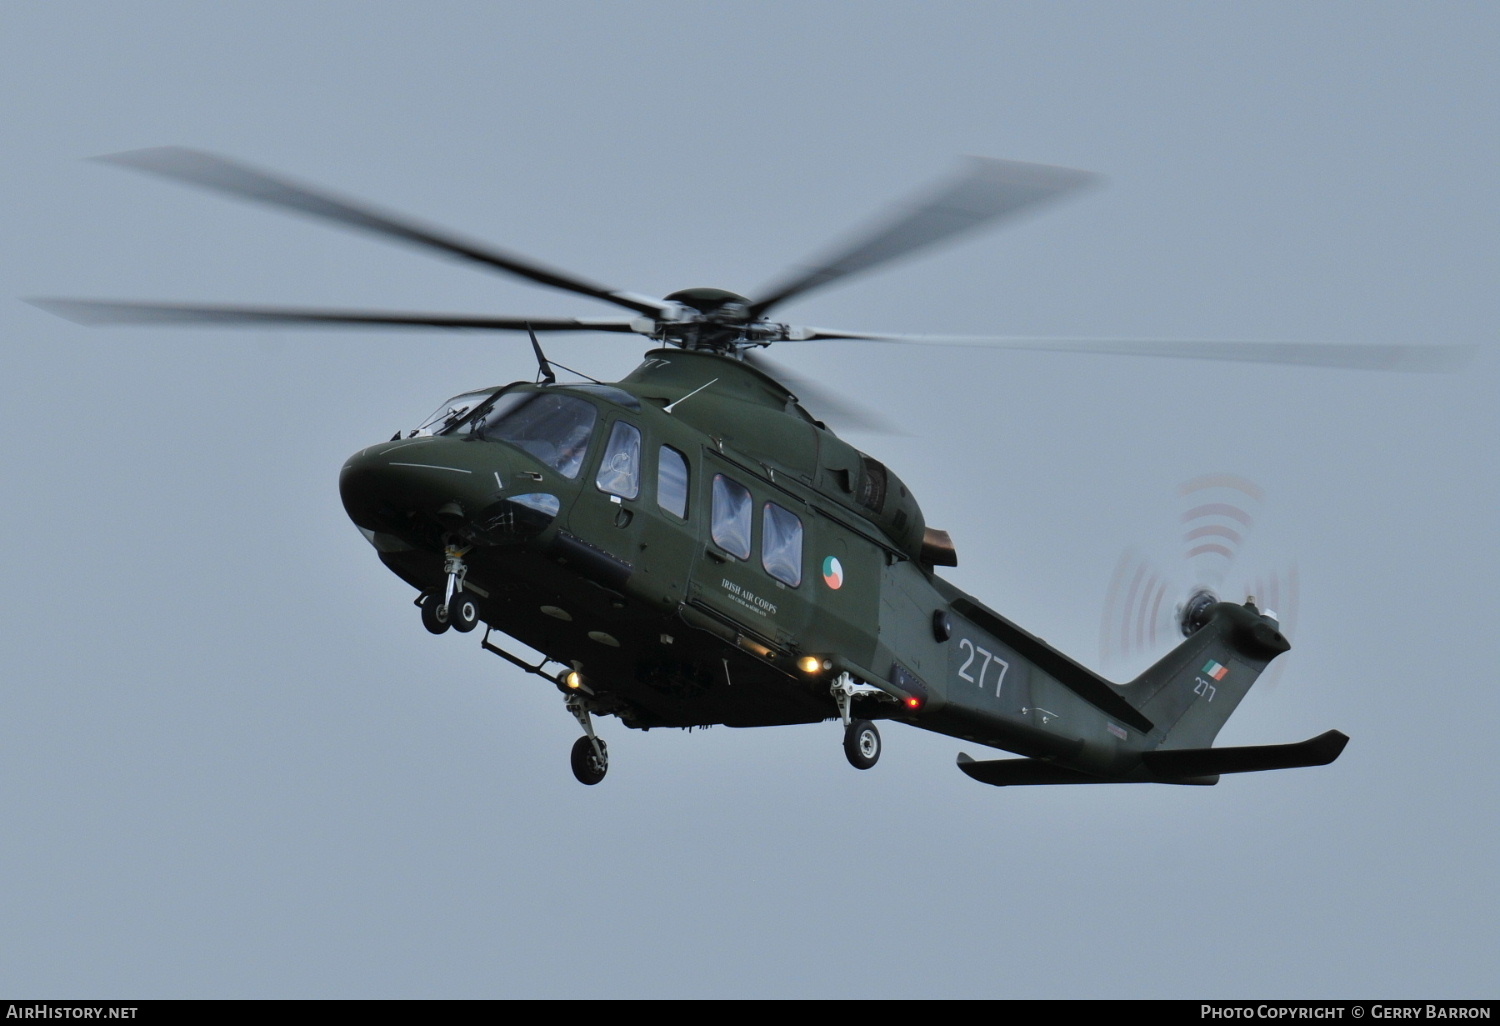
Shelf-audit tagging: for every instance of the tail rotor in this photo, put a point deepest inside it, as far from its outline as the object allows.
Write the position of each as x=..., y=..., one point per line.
x=1161, y=594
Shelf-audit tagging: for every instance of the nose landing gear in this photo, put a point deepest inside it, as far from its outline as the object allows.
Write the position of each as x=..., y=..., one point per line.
x=455, y=607
x=462, y=610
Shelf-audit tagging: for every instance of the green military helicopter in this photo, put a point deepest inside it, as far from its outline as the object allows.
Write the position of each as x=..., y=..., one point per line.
x=690, y=546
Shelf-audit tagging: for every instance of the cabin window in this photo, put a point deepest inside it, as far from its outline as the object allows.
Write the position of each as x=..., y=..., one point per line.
x=672, y=482
x=732, y=510
x=553, y=428
x=781, y=544
x=620, y=470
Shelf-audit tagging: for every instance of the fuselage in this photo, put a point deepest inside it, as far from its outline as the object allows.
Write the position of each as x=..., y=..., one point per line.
x=671, y=536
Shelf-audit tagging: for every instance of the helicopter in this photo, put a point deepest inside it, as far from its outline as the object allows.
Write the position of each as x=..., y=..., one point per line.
x=690, y=546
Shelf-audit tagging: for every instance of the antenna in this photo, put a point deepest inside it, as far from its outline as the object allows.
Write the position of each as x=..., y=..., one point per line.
x=544, y=369
x=669, y=407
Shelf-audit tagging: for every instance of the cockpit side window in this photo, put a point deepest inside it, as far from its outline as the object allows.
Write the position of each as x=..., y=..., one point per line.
x=552, y=427
x=732, y=511
x=620, y=470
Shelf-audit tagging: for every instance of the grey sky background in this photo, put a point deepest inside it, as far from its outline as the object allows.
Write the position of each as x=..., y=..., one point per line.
x=233, y=764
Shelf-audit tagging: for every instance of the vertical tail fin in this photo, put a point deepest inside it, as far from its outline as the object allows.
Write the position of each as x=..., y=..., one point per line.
x=1192, y=691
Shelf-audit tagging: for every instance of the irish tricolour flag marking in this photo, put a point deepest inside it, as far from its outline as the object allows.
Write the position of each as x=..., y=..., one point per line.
x=1216, y=670
x=833, y=573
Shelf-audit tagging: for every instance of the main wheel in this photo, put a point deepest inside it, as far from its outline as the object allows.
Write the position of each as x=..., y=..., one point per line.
x=463, y=612
x=434, y=614
x=589, y=767
x=862, y=744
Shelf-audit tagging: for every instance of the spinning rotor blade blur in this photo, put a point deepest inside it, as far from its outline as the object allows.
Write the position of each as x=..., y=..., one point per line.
x=986, y=190
x=844, y=413
x=1347, y=355
x=96, y=312
x=213, y=172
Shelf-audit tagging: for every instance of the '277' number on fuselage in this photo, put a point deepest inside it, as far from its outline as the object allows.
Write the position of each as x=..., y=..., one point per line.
x=975, y=652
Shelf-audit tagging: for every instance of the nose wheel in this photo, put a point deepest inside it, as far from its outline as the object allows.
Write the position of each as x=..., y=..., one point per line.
x=463, y=612
x=434, y=613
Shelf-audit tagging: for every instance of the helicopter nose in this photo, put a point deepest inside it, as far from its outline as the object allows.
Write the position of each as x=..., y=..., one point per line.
x=406, y=487
x=383, y=485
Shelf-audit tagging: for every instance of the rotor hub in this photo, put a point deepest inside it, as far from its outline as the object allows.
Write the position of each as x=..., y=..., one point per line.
x=716, y=320
x=711, y=301
x=1193, y=614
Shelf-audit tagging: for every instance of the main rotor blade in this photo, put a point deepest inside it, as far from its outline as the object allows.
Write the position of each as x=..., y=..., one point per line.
x=213, y=172
x=845, y=413
x=1349, y=355
x=97, y=312
x=985, y=190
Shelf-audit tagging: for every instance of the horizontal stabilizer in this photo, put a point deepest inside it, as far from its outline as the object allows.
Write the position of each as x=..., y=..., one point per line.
x=1204, y=762
x=1014, y=772
x=1182, y=766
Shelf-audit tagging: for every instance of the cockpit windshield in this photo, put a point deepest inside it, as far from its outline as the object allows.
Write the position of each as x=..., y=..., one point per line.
x=553, y=427
x=451, y=412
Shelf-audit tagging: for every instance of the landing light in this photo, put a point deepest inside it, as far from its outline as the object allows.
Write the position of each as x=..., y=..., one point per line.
x=574, y=680
x=809, y=664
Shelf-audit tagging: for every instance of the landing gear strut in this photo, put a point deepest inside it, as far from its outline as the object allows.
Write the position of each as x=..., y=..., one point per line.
x=462, y=610
x=590, y=755
x=454, y=607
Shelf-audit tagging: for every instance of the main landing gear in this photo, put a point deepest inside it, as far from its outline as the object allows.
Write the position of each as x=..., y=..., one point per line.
x=862, y=744
x=590, y=764
x=861, y=738
x=455, y=607
x=590, y=755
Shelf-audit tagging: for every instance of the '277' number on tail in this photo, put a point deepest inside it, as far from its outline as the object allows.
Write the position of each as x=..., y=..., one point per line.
x=989, y=657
